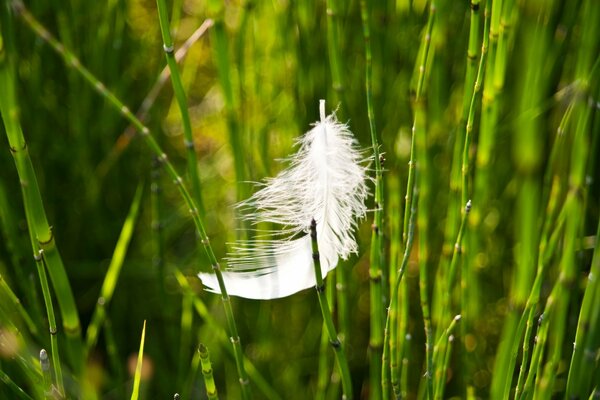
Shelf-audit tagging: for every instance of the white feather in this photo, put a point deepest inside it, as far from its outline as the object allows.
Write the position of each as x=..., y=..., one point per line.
x=326, y=180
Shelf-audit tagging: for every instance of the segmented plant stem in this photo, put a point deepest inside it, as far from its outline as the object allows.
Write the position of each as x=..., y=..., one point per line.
x=207, y=373
x=391, y=325
x=376, y=257
x=41, y=235
x=168, y=47
x=333, y=337
x=422, y=179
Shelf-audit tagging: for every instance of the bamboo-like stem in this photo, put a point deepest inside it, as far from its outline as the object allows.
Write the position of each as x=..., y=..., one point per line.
x=223, y=65
x=202, y=310
x=394, y=260
x=422, y=180
x=324, y=374
x=39, y=262
x=340, y=356
x=158, y=257
x=391, y=325
x=376, y=256
x=442, y=350
x=142, y=113
x=151, y=142
x=42, y=238
x=454, y=202
x=35, y=214
x=207, y=373
x=168, y=47
x=548, y=245
x=421, y=68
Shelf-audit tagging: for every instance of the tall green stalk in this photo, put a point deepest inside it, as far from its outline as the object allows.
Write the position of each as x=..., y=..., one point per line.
x=168, y=47
x=223, y=63
x=527, y=159
x=376, y=256
x=340, y=356
x=391, y=326
x=42, y=237
x=207, y=374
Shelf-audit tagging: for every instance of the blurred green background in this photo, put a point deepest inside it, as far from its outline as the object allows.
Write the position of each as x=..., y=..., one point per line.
x=258, y=82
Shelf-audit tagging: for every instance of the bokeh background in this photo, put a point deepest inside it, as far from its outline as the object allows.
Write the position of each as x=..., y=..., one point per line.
x=255, y=78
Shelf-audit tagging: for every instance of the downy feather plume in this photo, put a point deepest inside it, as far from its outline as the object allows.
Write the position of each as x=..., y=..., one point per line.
x=326, y=180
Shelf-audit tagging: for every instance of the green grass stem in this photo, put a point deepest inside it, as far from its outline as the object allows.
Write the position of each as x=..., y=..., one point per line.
x=114, y=270
x=392, y=326
x=135, y=392
x=207, y=373
x=169, y=48
x=263, y=385
x=376, y=255
x=42, y=237
x=331, y=331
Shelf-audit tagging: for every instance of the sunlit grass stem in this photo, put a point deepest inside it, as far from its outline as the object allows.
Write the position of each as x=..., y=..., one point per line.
x=327, y=318
x=192, y=160
x=114, y=269
x=207, y=373
x=42, y=237
x=376, y=255
x=391, y=330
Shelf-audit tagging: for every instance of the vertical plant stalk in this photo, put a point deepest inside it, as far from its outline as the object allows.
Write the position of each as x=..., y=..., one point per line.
x=421, y=178
x=441, y=355
x=151, y=142
x=334, y=52
x=39, y=262
x=207, y=373
x=548, y=245
x=391, y=324
x=135, y=392
x=223, y=64
x=340, y=356
x=207, y=316
x=528, y=139
x=114, y=270
x=324, y=380
x=188, y=138
x=42, y=237
x=454, y=203
x=158, y=260
x=128, y=134
x=376, y=256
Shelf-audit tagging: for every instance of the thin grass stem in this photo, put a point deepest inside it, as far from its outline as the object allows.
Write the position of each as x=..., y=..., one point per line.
x=331, y=331
x=376, y=255
x=209, y=382
x=168, y=47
